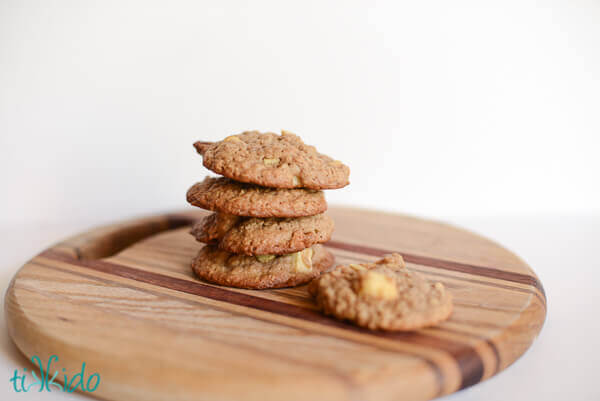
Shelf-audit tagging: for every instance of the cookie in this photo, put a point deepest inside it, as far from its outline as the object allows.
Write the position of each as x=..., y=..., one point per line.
x=258, y=272
x=256, y=236
x=271, y=160
x=383, y=295
x=227, y=196
x=210, y=229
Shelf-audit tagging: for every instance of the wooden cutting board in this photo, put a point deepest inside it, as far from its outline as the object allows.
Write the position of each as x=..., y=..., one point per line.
x=123, y=300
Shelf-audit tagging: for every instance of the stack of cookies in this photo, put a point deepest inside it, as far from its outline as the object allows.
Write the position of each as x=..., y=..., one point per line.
x=268, y=216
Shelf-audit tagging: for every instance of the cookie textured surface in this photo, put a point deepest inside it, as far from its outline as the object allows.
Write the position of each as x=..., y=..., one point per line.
x=256, y=236
x=227, y=196
x=259, y=272
x=384, y=295
x=271, y=160
x=210, y=229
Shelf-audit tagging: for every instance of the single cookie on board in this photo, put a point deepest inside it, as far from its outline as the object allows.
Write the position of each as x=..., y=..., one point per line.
x=227, y=196
x=256, y=236
x=271, y=160
x=259, y=272
x=382, y=295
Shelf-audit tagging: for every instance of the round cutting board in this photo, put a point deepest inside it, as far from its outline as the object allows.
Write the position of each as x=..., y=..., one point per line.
x=123, y=300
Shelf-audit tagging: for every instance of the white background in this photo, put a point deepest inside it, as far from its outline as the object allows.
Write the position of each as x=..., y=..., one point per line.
x=485, y=115
x=446, y=108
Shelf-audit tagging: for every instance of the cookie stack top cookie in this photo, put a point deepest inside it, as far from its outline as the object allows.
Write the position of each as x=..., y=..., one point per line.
x=269, y=210
x=271, y=160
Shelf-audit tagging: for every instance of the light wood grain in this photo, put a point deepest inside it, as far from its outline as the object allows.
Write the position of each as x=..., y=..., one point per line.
x=123, y=299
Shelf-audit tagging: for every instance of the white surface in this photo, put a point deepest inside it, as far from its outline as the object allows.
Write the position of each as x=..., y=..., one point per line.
x=440, y=108
x=561, y=364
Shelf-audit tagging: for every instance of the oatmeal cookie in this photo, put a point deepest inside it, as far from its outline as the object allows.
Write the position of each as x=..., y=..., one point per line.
x=259, y=272
x=256, y=236
x=271, y=160
x=383, y=295
x=227, y=196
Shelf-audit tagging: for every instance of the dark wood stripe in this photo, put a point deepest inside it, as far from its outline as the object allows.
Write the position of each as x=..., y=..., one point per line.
x=163, y=250
x=176, y=221
x=496, y=352
x=468, y=280
x=283, y=294
x=157, y=266
x=489, y=342
x=348, y=381
x=444, y=264
x=467, y=358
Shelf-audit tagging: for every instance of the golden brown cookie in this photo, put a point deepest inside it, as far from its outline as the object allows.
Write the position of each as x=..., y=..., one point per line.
x=227, y=196
x=382, y=295
x=256, y=236
x=210, y=229
x=258, y=272
x=271, y=160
